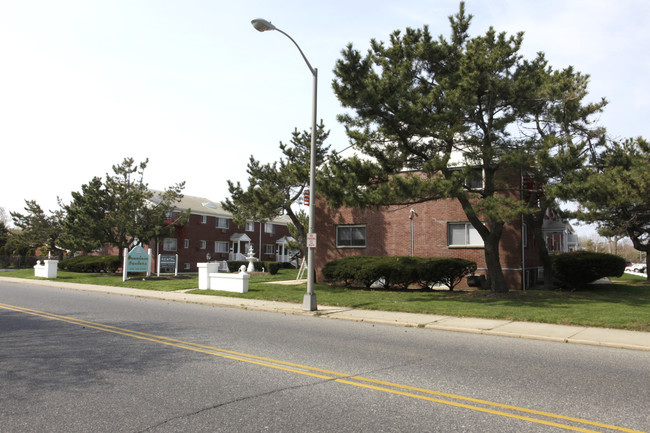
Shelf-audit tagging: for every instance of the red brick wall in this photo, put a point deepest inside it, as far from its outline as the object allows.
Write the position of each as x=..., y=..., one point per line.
x=388, y=233
x=196, y=231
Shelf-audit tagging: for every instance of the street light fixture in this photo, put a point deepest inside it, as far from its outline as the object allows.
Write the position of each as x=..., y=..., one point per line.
x=309, y=301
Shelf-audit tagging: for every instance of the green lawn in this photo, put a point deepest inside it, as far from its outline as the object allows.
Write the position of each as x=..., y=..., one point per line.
x=624, y=304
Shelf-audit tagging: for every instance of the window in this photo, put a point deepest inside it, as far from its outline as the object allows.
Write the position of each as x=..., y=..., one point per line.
x=269, y=249
x=222, y=223
x=186, y=243
x=186, y=266
x=351, y=236
x=202, y=244
x=474, y=180
x=250, y=227
x=462, y=235
x=170, y=244
x=220, y=247
x=171, y=218
x=269, y=228
x=204, y=219
x=474, y=177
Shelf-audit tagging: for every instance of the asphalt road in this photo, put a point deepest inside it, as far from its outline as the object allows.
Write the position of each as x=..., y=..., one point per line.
x=85, y=362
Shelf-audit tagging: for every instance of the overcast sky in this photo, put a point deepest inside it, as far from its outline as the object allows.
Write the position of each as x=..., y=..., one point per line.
x=193, y=87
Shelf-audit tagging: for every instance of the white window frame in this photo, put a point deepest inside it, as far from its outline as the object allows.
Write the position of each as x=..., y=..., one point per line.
x=204, y=219
x=222, y=223
x=269, y=228
x=225, y=247
x=249, y=227
x=170, y=244
x=203, y=245
x=471, y=183
x=269, y=249
x=353, y=229
x=186, y=243
x=471, y=238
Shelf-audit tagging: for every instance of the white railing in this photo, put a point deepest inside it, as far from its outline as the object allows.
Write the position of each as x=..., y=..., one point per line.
x=237, y=256
x=283, y=258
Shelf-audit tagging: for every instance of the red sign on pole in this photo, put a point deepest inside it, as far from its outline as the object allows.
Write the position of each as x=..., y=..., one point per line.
x=305, y=196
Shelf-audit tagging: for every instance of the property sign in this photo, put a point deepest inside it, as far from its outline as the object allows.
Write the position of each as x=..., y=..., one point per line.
x=168, y=260
x=136, y=260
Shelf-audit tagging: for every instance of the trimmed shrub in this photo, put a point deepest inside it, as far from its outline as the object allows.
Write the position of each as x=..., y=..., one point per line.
x=351, y=271
x=449, y=271
x=234, y=265
x=360, y=271
x=577, y=269
x=397, y=271
x=270, y=267
x=90, y=264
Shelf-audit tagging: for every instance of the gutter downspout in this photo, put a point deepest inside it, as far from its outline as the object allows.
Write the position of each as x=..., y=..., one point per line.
x=523, y=250
x=411, y=215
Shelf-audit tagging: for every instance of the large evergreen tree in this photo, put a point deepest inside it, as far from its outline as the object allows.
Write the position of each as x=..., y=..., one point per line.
x=121, y=210
x=274, y=188
x=436, y=118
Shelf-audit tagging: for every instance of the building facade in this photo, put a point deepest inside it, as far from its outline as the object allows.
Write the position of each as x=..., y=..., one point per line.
x=210, y=234
x=435, y=229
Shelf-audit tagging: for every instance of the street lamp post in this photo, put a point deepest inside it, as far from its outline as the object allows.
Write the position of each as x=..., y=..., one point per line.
x=309, y=301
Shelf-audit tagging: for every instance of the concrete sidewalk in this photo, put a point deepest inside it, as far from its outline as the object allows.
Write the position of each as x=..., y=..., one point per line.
x=616, y=338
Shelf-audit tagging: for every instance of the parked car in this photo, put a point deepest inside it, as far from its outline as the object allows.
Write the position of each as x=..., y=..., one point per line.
x=636, y=267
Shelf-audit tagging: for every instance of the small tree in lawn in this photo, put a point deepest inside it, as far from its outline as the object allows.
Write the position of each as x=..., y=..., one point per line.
x=274, y=188
x=37, y=229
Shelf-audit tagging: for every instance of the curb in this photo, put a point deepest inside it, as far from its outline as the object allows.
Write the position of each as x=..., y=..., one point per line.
x=605, y=337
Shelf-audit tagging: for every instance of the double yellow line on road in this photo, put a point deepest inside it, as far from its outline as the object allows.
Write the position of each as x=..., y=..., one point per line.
x=509, y=411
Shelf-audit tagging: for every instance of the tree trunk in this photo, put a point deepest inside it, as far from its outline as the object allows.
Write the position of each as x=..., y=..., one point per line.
x=496, y=279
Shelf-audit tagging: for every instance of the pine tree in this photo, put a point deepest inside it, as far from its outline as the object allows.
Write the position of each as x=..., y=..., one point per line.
x=37, y=229
x=274, y=188
x=615, y=193
x=559, y=138
x=430, y=116
x=120, y=211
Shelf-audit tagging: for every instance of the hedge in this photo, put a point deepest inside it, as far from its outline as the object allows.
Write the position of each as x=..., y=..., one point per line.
x=577, y=269
x=398, y=271
x=270, y=267
x=91, y=264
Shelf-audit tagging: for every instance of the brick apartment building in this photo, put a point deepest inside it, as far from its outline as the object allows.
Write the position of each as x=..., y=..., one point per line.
x=211, y=233
x=433, y=229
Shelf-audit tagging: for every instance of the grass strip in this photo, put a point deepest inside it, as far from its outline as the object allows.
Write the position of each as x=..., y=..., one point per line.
x=623, y=304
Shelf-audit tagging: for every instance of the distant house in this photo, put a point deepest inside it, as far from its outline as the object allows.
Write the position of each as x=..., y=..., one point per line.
x=434, y=229
x=560, y=235
x=211, y=233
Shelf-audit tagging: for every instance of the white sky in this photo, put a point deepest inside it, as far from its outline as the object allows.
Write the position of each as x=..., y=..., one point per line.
x=193, y=87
